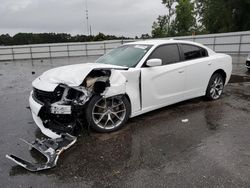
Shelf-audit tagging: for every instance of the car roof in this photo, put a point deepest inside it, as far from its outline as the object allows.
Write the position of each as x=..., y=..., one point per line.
x=157, y=42
x=161, y=41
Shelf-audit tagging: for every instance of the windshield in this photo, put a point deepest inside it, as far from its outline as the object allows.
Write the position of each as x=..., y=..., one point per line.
x=127, y=55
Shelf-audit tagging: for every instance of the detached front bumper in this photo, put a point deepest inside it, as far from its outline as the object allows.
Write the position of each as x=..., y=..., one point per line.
x=51, y=148
x=35, y=110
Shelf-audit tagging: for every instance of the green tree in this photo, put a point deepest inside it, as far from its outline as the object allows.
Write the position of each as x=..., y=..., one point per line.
x=224, y=15
x=202, y=16
x=180, y=19
x=100, y=37
x=241, y=14
x=163, y=26
x=39, y=38
x=6, y=39
x=170, y=5
x=185, y=18
x=217, y=16
x=159, y=28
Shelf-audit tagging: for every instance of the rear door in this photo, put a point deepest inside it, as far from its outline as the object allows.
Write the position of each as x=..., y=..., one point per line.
x=163, y=85
x=198, y=69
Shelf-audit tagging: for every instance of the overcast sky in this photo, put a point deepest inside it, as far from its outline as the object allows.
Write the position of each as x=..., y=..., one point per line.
x=118, y=17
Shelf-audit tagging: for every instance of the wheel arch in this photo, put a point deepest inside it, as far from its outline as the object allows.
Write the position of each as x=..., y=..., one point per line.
x=128, y=98
x=222, y=73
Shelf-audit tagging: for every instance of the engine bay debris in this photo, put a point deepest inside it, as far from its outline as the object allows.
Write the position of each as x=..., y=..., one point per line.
x=50, y=148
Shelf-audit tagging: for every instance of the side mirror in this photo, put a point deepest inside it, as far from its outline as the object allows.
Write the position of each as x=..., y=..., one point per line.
x=154, y=62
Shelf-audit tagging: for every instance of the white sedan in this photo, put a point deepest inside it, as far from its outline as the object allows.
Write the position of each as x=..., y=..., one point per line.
x=128, y=81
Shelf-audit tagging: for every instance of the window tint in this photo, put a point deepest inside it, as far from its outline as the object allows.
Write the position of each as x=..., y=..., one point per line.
x=168, y=54
x=193, y=52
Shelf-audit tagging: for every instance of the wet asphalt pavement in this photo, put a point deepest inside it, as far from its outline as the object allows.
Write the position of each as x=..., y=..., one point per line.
x=157, y=149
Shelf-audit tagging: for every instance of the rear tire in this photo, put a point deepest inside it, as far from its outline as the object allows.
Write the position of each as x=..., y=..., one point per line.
x=107, y=114
x=215, y=87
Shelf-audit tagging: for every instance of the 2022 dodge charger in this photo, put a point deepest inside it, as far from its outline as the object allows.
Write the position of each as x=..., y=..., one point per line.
x=128, y=81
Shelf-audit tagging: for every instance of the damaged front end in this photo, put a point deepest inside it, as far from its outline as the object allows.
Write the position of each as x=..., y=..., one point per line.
x=59, y=112
x=63, y=109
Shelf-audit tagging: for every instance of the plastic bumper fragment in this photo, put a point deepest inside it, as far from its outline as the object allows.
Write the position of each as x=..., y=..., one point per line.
x=50, y=148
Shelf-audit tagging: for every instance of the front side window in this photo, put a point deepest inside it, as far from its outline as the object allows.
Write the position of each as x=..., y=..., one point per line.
x=193, y=52
x=168, y=54
x=127, y=55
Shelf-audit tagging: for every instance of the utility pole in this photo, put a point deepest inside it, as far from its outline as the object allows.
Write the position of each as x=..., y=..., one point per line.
x=87, y=16
x=90, y=30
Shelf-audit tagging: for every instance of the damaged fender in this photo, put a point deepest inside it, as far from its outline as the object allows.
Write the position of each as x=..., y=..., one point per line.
x=117, y=84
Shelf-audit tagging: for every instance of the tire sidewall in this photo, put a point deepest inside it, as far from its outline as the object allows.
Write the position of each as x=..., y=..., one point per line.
x=211, y=81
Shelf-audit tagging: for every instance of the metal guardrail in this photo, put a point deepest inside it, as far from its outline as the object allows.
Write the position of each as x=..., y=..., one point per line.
x=241, y=39
x=237, y=43
x=58, y=50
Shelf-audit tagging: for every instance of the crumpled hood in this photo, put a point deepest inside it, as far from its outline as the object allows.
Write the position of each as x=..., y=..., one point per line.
x=71, y=75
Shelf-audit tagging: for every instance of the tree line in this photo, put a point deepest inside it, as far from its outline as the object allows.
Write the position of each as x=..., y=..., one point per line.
x=186, y=17
x=41, y=38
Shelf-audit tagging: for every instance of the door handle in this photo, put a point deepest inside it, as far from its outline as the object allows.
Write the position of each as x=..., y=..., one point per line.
x=181, y=71
x=210, y=63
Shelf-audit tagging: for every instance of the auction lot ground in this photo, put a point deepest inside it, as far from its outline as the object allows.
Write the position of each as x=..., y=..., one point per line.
x=154, y=150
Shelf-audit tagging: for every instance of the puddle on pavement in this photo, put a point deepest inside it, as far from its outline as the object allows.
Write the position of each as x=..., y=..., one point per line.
x=239, y=79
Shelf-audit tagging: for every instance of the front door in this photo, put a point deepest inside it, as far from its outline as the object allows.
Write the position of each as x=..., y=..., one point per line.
x=163, y=85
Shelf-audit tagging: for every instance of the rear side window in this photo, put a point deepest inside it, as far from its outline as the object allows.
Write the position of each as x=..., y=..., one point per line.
x=193, y=52
x=168, y=54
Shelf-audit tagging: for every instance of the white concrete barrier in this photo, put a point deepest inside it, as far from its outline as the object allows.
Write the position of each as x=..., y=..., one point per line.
x=237, y=43
x=40, y=51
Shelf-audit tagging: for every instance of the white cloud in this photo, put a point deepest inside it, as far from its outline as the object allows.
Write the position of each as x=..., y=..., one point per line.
x=14, y=5
x=119, y=17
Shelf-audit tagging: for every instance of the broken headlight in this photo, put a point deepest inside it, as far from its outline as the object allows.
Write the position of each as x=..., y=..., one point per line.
x=78, y=95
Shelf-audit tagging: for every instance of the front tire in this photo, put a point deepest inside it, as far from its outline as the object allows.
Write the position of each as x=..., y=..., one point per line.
x=107, y=114
x=215, y=87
